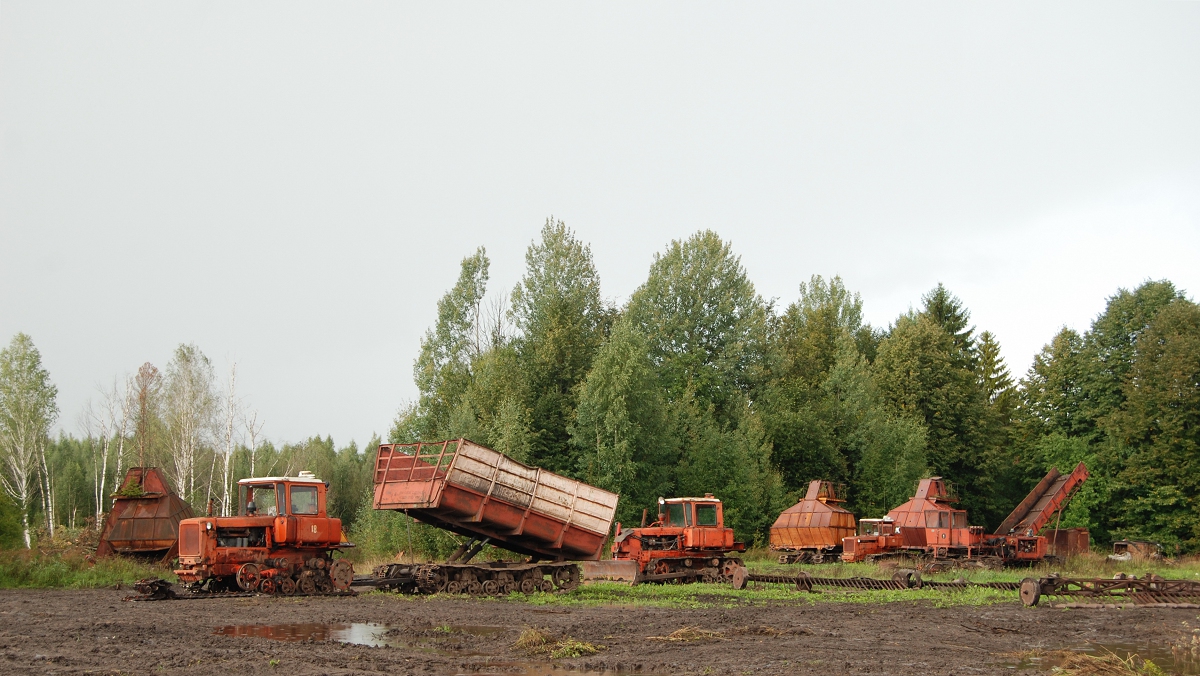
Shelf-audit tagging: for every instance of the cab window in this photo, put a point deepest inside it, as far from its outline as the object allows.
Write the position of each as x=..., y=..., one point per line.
x=937, y=519
x=960, y=519
x=263, y=499
x=706, y=515
x=675, y=515
x=304, y=500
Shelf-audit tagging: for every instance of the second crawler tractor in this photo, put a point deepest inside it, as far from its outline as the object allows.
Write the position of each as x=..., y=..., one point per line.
x=687, y=543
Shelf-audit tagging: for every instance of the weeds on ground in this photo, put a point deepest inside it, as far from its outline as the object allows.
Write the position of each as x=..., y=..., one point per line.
x=702, y=595
x=1079, y=664
x=688, y=634
x=34, y=569
x=541, y=642
x=1084, y=566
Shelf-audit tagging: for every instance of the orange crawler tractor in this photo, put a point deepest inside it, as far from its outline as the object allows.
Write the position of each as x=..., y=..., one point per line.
x=812, y=530
x=687, y=543
x=281, y=542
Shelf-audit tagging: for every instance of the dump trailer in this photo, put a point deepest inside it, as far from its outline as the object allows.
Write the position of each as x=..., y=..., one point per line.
x=144, y=519
x=281, y=542
x=489, y=498
x=688, y=542
x=812, y=530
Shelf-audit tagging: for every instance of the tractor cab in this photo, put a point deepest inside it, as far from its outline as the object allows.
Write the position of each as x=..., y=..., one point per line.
x=282, y=496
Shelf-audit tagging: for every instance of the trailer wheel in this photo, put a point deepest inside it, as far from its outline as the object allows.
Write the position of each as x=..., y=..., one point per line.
x=248, y=576
x=509, y=587
x=491, y=587
x=528, y=586
x=546, y=585
x=453, y=587
x=1031, y=591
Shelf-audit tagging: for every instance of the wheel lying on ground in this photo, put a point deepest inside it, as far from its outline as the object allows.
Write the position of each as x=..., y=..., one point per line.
x=341, y=574
x=248, y=576
x=1031, y=591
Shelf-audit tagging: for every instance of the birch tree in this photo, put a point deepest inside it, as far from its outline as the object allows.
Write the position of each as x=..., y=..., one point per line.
x=27, y=410
x=231, y=415
x=189, y=406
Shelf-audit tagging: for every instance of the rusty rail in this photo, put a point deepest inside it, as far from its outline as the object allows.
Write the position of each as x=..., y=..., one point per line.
x=903, y=579
x=1146, y=590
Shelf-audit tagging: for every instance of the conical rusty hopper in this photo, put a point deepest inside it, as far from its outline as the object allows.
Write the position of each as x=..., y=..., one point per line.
x=144, y=522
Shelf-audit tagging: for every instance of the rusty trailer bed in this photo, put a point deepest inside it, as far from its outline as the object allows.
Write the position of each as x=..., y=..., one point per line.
x=474, y=491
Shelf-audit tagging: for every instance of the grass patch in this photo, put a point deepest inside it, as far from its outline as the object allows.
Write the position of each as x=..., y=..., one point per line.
x=534, y=642
x=701, y=595
x=36, y=570
x=1079, y=664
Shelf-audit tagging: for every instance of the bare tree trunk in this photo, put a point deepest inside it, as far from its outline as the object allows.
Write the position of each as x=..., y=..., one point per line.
x=47, y=488
x=230, y=412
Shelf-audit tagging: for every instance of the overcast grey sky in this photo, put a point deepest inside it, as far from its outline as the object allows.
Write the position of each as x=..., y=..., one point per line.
x=292, y=185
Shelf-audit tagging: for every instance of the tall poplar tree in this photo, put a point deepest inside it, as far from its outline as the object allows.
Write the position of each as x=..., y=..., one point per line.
x=561, y=321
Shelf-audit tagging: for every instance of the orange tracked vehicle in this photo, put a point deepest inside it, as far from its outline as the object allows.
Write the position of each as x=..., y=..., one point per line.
x=687, y=543
x=929, y=525
x=281, y=542
x=812, y=530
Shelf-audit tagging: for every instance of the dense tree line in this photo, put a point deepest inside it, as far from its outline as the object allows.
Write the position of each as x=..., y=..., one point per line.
x=695, y=385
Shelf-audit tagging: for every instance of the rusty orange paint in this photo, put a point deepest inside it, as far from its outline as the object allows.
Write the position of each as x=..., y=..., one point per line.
x=816, y=524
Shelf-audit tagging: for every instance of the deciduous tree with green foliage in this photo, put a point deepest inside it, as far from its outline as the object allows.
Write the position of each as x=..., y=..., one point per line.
x=28, y=408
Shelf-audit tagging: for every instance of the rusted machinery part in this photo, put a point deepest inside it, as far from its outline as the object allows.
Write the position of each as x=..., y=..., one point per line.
x=1147, y=590
x=248, y=576
x=152, y=589
x=902, y=579
x=341, y=574
x=476, y=580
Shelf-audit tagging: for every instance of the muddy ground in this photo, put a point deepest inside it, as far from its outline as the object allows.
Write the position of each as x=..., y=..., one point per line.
x=95, y=631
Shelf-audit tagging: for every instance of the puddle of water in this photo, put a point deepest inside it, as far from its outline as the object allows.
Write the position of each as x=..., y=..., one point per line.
x=361, y=633
x=376, y=635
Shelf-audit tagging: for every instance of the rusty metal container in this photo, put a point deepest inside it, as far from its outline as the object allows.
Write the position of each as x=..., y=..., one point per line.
x=814, y=526
x=476, y=492
x=144, y=519
x=1066, y=542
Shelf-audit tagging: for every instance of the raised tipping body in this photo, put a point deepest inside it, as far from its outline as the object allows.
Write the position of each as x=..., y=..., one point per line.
x=476, y=492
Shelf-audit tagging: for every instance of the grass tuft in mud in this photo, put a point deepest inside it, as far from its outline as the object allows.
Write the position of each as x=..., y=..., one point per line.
x=541, y=642
x=32, y=569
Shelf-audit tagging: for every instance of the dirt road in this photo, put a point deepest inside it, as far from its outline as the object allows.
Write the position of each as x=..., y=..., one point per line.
x=95, y=631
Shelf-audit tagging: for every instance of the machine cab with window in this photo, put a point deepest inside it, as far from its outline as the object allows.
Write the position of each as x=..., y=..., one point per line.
x=295, y=507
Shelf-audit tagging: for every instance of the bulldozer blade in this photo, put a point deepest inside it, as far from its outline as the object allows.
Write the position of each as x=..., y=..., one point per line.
x=610, y=570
